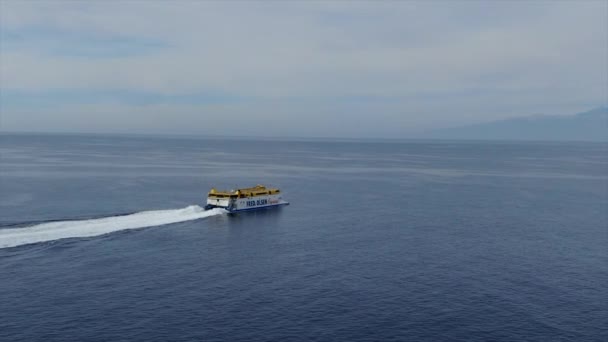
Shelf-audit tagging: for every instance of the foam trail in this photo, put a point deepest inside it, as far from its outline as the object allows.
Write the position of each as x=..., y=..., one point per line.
x=71, y=229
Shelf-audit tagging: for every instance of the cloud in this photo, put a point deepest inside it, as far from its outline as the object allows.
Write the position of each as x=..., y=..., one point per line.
x=407, y=64
x=52, y=42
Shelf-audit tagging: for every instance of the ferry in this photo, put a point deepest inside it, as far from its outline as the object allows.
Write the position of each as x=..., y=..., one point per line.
x=257, y=197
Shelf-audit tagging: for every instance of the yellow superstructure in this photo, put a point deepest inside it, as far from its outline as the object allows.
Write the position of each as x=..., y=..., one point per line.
x=258, y=190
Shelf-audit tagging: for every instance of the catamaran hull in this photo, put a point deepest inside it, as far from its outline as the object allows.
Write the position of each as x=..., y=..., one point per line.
x=238, y=210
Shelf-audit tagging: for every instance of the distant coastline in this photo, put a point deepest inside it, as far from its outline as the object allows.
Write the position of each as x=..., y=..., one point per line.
x=591, y=125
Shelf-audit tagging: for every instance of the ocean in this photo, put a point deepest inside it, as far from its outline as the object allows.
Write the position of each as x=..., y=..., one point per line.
x=103, y=238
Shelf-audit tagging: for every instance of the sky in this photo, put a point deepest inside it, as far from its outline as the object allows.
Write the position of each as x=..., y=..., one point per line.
x=382, y=69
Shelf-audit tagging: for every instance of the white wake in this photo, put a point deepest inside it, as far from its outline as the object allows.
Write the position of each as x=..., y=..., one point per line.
x=13, y=237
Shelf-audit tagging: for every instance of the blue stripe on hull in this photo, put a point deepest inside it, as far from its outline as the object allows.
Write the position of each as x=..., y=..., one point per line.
x=257, y=208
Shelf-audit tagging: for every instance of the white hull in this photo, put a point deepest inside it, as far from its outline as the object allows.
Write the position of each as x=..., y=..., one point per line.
x=247, y=203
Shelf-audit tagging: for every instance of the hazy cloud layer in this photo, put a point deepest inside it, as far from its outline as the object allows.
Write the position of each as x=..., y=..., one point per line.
x=372, y=69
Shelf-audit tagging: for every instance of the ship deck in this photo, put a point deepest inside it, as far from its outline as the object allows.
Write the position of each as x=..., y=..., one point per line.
x=258, y=190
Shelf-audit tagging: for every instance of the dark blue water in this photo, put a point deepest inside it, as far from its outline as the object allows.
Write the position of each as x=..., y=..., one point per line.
x=457, y=241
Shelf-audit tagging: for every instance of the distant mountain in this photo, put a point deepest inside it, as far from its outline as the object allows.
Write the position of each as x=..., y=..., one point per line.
x=588, y=126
